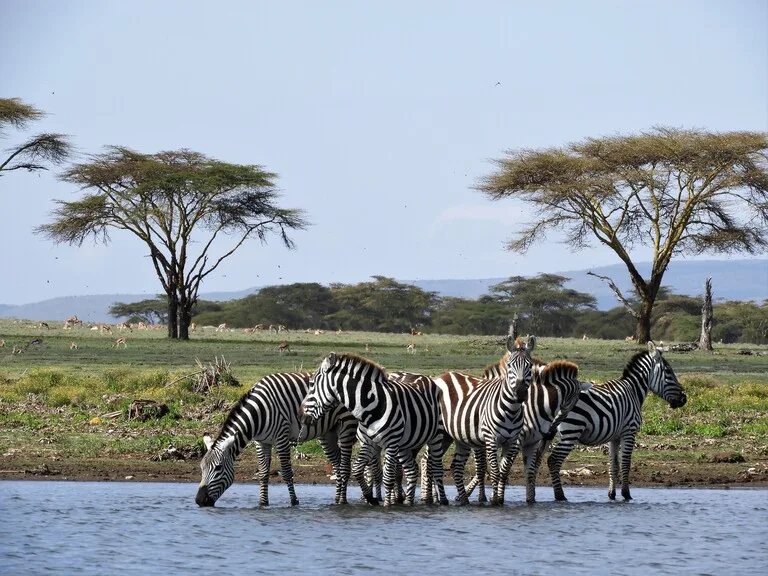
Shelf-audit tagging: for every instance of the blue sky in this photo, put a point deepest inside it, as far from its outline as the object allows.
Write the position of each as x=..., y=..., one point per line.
x=378, y=117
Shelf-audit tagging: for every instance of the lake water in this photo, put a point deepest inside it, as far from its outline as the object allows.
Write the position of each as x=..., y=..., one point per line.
x=156, y=528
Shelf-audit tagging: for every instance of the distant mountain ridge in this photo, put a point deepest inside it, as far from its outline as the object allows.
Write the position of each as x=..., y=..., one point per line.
x=731, y=280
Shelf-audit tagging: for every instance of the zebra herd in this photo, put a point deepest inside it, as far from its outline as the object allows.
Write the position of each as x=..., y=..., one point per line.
x=520, y=404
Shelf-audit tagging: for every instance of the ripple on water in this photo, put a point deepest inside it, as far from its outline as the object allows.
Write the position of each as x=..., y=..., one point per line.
x=92, y=528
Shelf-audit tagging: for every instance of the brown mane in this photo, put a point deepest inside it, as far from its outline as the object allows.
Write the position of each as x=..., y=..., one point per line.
x=556, y=365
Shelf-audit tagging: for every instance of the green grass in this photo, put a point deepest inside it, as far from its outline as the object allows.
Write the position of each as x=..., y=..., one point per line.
x=55, y=390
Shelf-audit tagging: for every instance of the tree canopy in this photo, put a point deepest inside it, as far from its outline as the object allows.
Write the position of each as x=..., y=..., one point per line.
x=191, y=211
x=680, y=192
x=35, y=153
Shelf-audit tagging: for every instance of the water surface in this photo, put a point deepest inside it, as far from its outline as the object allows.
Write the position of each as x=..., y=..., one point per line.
x=156, y=528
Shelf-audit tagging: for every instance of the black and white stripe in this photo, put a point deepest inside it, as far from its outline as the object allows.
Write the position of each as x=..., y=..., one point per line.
x=487, y=414
x=268, y=415
x=395, y=417
x=611, y=413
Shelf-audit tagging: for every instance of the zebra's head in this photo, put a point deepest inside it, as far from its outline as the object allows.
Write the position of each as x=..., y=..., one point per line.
x=218, y=468
x=321, y=395
x=663, y=381
x=518, y=365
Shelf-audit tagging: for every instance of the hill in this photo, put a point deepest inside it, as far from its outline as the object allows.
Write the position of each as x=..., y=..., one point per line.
x=731, y=279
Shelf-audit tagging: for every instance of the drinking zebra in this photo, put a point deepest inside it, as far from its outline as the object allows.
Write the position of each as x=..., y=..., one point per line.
x=394, y=416
x=481, y=413
x=268, y=415
x=612, y=412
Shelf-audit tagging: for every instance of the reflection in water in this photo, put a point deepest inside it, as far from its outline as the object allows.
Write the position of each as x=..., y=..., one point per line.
x=97, y=528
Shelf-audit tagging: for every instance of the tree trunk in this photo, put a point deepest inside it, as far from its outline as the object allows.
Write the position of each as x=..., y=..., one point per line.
x=185, y=317
x=173, y=315
x=643, y=328
x=705, y=340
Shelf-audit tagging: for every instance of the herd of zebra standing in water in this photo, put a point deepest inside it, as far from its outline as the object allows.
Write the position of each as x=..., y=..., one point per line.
x=520, y=404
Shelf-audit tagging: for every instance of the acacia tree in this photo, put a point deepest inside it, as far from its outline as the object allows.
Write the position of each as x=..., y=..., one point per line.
x=35, y=153
x=183, y=205
x=680, y=192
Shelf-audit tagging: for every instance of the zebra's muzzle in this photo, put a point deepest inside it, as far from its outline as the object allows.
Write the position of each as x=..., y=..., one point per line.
x=202, y=498
x=679, y=402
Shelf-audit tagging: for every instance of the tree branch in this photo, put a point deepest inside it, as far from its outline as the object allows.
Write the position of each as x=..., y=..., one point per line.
x=617, y=292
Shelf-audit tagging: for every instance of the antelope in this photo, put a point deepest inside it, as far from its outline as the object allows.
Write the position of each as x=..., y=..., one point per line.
x=17, y=350
x=221, y=327
x=259, y=327
x=192, y=327
x=124, y=326
x=411, y=348
x=106, y=328
x=118, y=341
x=73, y=321
x=248, y=330
x=367, y=348
x=629, y=339
x=44, y=325
x=73, y=346
x=2, y=343
x=141, y=325
x=281, y=328
x=35, y=342
x=94, y=328
x=319, y=332
x=585, y=337
x=415, y=332
x=283, y=347
x=272, y=328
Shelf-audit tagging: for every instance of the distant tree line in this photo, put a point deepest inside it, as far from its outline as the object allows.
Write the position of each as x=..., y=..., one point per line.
x=542, y=304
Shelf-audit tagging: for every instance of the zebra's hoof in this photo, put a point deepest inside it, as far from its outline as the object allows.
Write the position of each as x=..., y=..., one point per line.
x=612, y=494
x=444, y=502
x=625, y=495
x=295, y=502
x=561, y=498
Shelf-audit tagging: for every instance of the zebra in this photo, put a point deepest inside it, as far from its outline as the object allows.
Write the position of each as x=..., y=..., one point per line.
x=482, y=413
x=612, y=412
x=397, y=417
x=268, y=415
x=553, y=394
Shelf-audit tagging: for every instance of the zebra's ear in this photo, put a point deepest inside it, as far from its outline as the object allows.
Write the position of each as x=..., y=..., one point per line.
x=510, y=343
x=208, y=441
x=228, y=443
x=531, y=343
x=654, y=351
x=331, y=359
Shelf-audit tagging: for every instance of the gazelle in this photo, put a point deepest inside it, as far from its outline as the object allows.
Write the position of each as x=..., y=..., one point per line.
x=283, y=347
x=44, y=325
x=17, y=350
x=118, y=341
x=106, y=328
x=141, y=325
x=2, y=343
x=221, y=327
x=192, y=327
x=124, y=326
x=73, y=321
x=73, y=346
x=411, y=348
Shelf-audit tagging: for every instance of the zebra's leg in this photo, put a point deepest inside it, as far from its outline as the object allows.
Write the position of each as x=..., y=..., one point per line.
x=478, y=481
x=458, y=463
x=555, y=462
x=264, y=452
x=508, y=453
x=391, y=458
x=613, y=466
x=284, y=452
x=492, y=458
x=411, y=473
x=329, y=444
x=425, y=479
x=434, y=456
x=366, y=457
x=627, y=446
x=530, y=459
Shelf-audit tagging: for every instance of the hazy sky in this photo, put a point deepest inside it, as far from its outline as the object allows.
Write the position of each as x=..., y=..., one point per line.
x=378, y=117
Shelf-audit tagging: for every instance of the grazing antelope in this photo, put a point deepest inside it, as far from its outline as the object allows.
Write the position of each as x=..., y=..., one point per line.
x=73, y=346
x=281, y=328
x=124, y=326
x=415, y=332
x=221, y=327
x=17, y=349
x=319, y=332
x=629, y=338
x=411, y=348
x=283, y=347
x=248, y=330
x=73, y=321
x=585, y=337
x=35, y=342
x=118, y=341
x=272, y=328
x=259, y=327
x=94, y=328
x=106, y=328
x=2, y=343
x=44, y=325
x=141, y=325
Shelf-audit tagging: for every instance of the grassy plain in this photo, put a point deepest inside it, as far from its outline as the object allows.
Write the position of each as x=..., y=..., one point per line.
x=63, y=411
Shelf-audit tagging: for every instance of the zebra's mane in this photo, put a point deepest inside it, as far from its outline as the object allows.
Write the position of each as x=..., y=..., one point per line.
x=559, y=365
x=494, y=366
x=365, y=361
x=635, y=360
